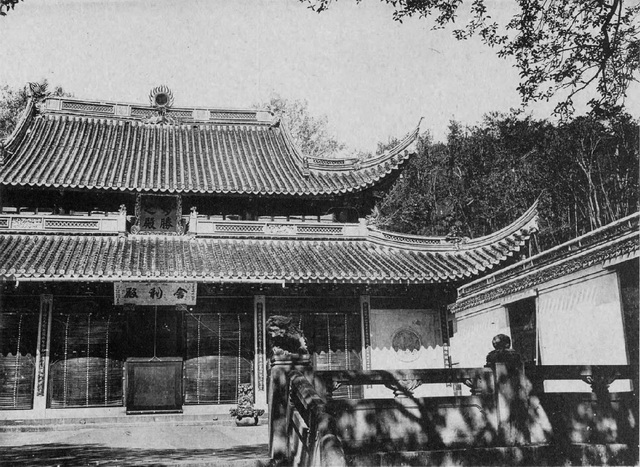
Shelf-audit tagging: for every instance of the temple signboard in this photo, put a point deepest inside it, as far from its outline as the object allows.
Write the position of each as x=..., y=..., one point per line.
x=155, y=293
x=158, y=214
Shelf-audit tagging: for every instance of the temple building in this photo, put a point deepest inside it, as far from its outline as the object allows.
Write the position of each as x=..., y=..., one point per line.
x=144, y=246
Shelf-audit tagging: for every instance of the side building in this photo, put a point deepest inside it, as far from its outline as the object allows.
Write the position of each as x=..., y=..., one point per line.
x=575, y=304
x=143, y=247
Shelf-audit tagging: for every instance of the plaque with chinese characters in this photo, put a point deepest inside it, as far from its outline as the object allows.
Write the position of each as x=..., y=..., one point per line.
x=158, y=214
x=155, y=293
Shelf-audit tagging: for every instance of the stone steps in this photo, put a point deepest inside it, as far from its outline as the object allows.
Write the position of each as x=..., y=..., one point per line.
x=58, y=424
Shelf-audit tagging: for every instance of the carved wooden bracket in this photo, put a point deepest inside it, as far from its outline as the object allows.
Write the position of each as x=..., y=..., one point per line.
x=404, y=388
x=600, y=382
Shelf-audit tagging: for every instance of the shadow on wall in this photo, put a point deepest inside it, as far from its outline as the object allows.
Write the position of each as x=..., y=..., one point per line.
x=510, y=423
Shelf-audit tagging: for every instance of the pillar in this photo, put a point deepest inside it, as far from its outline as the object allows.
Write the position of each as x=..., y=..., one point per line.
x=365, y=324
x=259, y=336
x=42, y=355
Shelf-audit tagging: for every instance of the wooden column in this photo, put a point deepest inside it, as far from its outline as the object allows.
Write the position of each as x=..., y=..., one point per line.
x=42, y=354
x=260, y=366
x=365, y=324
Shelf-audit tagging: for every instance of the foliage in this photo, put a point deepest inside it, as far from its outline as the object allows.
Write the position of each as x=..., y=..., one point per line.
x=310, y=133
x=13, y=101
x=6, y=5
x=584, y=173
x=560, y=47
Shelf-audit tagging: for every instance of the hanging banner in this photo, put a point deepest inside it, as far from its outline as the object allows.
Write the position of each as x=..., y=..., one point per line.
x=155, y=293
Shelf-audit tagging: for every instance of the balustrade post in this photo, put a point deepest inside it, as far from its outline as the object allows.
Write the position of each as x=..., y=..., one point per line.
x=280, y=377
x=511, y=403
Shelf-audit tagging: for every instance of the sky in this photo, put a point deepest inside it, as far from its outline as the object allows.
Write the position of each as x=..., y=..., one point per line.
x=372, y=77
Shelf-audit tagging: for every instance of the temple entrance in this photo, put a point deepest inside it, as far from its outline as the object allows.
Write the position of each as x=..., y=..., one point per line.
x=154, y=360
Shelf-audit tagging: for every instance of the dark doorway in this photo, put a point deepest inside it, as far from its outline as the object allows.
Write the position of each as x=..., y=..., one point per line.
x=154, y=360
x=522, y=321
x=154, y=332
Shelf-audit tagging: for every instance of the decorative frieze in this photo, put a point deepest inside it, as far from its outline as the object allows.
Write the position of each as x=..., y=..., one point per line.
x=26, y=223
x=320, y=229
x=413, y=240
x=73, y=224
x=87, y=107
x=37, y=222
x=280, y=229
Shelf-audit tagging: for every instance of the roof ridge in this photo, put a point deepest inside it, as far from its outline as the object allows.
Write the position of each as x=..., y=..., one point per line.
x=151, y=107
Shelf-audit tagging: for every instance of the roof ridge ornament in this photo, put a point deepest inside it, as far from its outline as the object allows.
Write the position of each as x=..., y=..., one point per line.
x=161, y=98
x=38, y=90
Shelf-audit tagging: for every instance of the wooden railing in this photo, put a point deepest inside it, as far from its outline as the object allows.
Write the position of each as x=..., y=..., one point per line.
x=404, y=382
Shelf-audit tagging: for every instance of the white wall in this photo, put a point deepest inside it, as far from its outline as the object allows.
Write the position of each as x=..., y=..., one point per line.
x=472, y=341
x=385, y=324
x=580, y=323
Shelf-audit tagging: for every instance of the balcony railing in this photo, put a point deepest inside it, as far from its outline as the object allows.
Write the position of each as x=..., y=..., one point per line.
x=40, y=222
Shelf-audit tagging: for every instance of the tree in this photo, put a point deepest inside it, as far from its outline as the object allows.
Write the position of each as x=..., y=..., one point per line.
x=6, y=5
x=583, y=172
x=14, y=100
x=311, y=134
x=560, y=47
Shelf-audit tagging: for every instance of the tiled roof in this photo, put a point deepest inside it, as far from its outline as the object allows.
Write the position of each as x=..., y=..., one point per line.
x=608, y=245
x=364, y=258
x=66, y=143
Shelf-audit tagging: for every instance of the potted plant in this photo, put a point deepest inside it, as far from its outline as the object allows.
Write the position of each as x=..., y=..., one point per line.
x=245, y=407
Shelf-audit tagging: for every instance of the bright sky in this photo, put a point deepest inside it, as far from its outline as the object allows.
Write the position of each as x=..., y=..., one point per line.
x=373, y=77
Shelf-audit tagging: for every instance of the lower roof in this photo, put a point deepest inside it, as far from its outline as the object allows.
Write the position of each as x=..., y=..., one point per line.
x=155, y=258
x=363, y=255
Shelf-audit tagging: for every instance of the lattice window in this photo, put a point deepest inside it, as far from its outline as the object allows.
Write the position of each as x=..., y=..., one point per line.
x=18, y=337
x=220, y=353
x=86, y=359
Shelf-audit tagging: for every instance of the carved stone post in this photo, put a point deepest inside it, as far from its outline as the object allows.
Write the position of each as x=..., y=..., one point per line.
x=281, y=368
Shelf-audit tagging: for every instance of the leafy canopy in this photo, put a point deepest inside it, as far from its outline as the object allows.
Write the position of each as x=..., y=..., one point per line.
x=310, y=133
x=6, y=5
x=584, y=173
x=560, y=47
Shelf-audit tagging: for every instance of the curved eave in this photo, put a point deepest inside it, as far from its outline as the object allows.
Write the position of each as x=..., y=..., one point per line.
x=384, y=163
x=479, y=255
x=524, y=225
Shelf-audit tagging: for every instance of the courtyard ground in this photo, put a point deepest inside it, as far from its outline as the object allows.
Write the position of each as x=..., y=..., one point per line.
x=199, y=443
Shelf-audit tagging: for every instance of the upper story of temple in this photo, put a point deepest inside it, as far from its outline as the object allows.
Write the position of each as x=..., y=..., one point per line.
x=241, y=164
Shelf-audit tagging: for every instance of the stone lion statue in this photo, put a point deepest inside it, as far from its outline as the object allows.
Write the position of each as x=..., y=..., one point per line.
x=286, y=336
